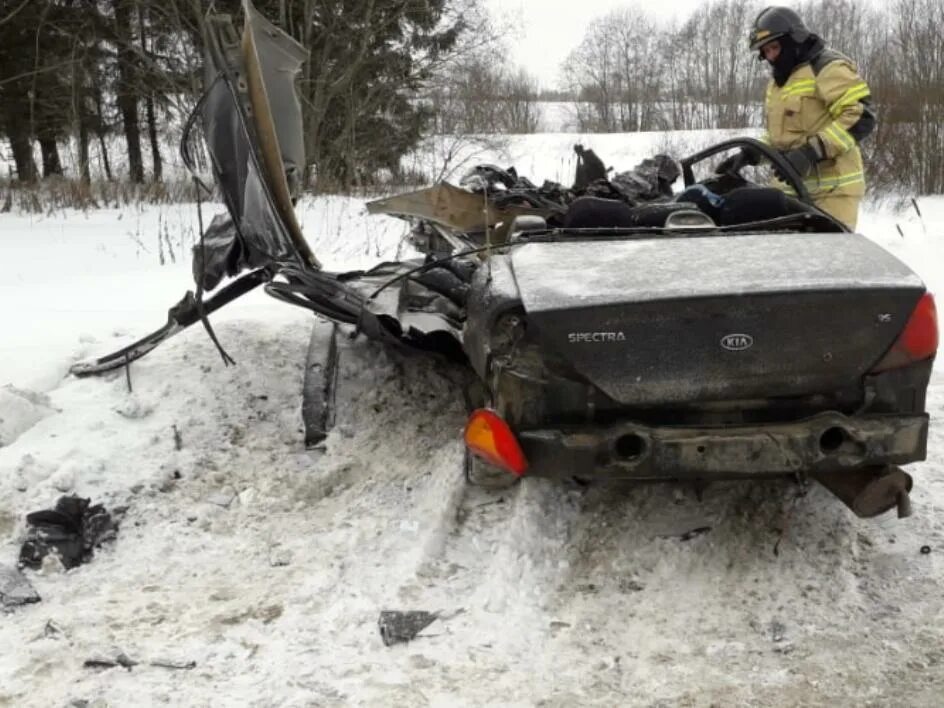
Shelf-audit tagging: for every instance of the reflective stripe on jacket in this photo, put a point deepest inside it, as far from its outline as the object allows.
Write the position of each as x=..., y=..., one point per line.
x=826, y=105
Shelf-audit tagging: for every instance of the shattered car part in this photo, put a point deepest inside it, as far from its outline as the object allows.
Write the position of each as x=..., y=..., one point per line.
x=321, y=371
x=126, y=662
x=253, y=126
x=460, y=210
x=397, y=626
x=71, y=531
x=871, y=492
x=121, y=659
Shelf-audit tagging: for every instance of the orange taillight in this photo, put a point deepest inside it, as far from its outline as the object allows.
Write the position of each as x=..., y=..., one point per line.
x=488, y=436
x=917, y=341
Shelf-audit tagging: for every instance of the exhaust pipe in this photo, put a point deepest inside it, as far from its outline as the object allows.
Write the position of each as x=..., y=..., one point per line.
x=870, y=491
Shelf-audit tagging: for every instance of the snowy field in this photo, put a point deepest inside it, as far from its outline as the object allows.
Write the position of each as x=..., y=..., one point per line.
x=267, y=564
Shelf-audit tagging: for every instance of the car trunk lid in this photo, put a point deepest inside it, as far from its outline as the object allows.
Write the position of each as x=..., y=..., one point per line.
x=710, y=318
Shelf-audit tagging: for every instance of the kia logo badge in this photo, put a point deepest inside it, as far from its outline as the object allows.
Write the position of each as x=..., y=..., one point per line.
x=737, y=342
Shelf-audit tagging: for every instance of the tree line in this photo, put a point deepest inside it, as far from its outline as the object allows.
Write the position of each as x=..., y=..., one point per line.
x=383, y=74
x=73, y=72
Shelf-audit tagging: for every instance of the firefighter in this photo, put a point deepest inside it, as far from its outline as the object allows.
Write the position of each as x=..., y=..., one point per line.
x=818, y=110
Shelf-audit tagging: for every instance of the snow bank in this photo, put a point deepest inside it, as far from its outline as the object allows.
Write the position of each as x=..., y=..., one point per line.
x=268, y=565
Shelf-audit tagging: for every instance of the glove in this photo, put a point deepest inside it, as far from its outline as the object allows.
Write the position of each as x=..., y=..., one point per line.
x=802, y=159
x=739, y=160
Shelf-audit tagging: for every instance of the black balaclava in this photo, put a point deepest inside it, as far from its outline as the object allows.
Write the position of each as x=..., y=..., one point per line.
x=792, y=55
x=786, y=61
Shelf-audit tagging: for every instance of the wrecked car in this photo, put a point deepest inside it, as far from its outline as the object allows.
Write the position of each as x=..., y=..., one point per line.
x=616, y=329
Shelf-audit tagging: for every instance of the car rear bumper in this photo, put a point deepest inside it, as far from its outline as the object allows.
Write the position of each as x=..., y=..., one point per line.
x=823, y=443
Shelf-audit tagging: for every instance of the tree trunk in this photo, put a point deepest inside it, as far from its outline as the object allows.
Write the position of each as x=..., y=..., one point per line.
x=149, y=104
x=84, y=173
x=100, y=131
x=152, y=136
x=52, y=165
x=15, y=111
x=23, y=157
x=127, y=96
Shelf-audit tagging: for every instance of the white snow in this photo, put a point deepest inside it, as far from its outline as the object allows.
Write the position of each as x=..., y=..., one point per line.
x=268, y=565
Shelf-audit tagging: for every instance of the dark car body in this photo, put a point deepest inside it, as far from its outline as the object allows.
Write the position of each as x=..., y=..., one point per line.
x=708, y=356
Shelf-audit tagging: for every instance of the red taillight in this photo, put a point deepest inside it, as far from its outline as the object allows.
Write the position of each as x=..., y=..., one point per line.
x=917, y=341
x=489, y=437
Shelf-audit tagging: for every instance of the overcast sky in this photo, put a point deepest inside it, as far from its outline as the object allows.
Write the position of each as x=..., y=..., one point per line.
x=549, y=29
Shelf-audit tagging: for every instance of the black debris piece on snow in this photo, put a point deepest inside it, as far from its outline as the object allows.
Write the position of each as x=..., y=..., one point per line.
x=15, y=589
x=71, y=530
x=126, y=662
x=121, y=659
x=396, y=626
x=176, y=665
x=689, y=535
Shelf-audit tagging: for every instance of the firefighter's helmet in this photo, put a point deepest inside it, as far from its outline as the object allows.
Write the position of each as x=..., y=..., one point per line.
x=774, y=23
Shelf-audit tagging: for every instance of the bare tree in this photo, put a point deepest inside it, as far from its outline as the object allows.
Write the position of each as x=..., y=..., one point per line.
x=909, y=88
x=517, y=100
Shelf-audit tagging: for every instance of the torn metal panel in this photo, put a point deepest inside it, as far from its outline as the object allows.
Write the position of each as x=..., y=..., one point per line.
x=456, y=208
x=245, y=143
x=273, y=61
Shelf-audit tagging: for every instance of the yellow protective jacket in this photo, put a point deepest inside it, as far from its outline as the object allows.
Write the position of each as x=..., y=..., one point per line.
x=821, y=98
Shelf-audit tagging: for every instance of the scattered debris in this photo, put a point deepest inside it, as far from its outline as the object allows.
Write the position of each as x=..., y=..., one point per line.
x=777, y=631
x=178, y=440
x=15, y=589
x=180, y=665
x=689, y=535
x=123, y=660
x=70, y=531
x=396, y=626
x=684, y=526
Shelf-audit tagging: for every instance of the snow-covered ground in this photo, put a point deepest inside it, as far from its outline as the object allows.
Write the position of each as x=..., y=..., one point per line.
x=268, y=564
